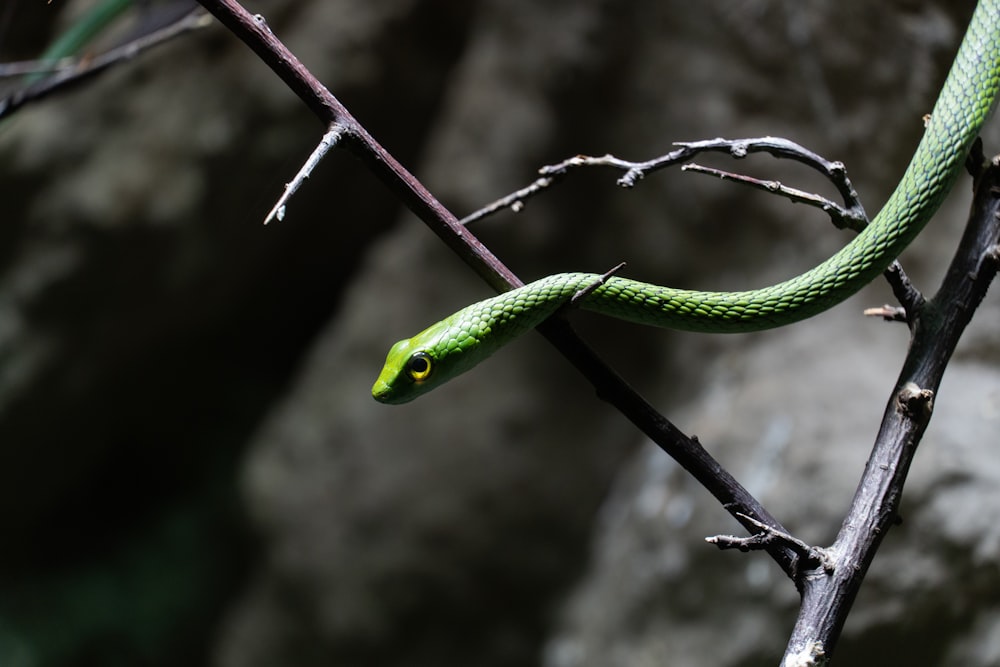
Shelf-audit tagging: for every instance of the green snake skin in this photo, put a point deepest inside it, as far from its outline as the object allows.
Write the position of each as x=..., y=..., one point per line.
x=459, y=342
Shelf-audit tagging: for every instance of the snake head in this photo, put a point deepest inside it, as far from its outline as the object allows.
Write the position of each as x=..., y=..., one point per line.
x=455, y=344
x=405, y=370
x=416, y=365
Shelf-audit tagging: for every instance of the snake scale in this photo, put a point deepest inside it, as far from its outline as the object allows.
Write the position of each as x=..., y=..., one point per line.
x=459, y=342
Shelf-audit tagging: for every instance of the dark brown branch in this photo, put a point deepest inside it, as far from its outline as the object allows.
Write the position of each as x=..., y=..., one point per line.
x=687, y=451
x=937, y=326
x=252, y=29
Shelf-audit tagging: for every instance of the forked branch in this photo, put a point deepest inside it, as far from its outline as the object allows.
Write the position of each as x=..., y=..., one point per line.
x=937, y=325
x=850, y=215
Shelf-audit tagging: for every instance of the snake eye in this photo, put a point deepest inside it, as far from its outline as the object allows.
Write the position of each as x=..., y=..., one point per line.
x=419, y=367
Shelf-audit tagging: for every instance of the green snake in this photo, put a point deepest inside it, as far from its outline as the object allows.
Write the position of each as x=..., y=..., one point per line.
x=459, y=342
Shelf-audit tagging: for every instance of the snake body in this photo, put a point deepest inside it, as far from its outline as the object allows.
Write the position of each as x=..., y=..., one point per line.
x=459, y=342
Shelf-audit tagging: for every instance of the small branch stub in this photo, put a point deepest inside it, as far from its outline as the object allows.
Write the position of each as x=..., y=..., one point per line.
x=600, y=280
x=887, y=313
x=990, y=260
x=813, y=655
x=769, y=536
x=915, y=402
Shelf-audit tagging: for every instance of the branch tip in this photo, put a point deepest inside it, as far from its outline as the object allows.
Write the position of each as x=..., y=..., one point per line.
x=909, y=297
x=598, y=281
x=888, y=313
x=330, y=139
x=770, y=536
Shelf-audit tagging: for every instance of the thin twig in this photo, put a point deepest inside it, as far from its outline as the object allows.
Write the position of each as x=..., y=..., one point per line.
x=514, y=201
x=600, y=280
x=329, y=140
x=91, y=67
x=767, y=537
x=841, y=216
x=20, y=68
x=850, y=215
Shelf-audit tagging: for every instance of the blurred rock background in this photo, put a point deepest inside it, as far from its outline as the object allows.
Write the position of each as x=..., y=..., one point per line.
x=192, y=470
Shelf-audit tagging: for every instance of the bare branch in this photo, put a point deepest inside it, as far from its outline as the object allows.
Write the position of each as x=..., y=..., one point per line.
x=768, y=537
x=514, y=201
x=850, y=215
x=842, y=217
x=9, y=70
x=935, y=330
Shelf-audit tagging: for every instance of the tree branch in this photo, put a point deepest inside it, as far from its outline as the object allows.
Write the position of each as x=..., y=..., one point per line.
x=936, y=326
x=850, y=215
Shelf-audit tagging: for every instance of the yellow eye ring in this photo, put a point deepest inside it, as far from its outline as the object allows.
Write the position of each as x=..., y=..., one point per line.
x=419, y=367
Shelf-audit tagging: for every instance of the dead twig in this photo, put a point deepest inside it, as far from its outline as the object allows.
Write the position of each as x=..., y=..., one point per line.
x=768, y=536
x=329, y=140
x=850, y=215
